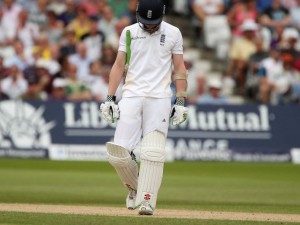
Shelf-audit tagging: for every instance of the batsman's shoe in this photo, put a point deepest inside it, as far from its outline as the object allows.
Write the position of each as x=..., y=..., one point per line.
x=130, y=200
x=145, y=208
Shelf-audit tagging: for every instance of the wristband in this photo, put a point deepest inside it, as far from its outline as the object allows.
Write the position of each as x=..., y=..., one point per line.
x=179, y=101
x=111, y=98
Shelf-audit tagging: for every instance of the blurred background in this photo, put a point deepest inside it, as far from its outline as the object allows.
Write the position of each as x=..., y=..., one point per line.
x=243, y=58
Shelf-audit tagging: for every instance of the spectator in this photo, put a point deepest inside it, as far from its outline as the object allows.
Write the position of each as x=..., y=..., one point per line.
x=69, y=14
x=54, y=66
x=94, y=41
x=68, y=46
x=131, y=12
x=109, y=55
x=81, y=60
x=98, y=81
x=9, y=20
x=56, y=6
x=54, y=28
x=3, y=70
x=14, y=85
x=240, y=52
x=81, y=24
x=275, y=15
x=107, y=25
x=38, y=14
x=34, y=90
x=27, y=32
x=58, y=89
x=277, y=37
x=51, y=65
x=289, y=4
x=2, y=31
x=20, y=58
x=262, y=5
x=229, y=4
x=101, y=5
x=2, y=95
x=253, y=65
x=91, y=7
x=64, y=65
x=38, y=79
x=119, y=7
x=295, y=15
x=289, y=42
x=119, y=27
x=42, y=49
x=287, y=86
x=213, y=95
x=76, y=90
x=239, y=13
x=270, y=70
x=27, y=4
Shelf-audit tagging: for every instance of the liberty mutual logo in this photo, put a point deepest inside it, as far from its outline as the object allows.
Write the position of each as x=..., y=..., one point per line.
x=22, y=127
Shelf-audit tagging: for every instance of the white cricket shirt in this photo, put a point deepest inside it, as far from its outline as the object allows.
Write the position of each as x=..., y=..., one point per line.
x=150, y=68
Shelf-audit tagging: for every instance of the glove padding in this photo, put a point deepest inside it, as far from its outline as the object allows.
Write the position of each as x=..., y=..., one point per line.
x=109, y=111
x=179, y=114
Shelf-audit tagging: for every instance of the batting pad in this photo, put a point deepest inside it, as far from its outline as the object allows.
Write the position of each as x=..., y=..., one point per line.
x=151, y=169
x=126, y=167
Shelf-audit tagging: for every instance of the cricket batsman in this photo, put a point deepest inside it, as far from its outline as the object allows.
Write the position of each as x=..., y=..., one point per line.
x=150, y=51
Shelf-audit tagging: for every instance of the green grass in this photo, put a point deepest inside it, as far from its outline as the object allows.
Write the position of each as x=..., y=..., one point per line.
x=243, y=187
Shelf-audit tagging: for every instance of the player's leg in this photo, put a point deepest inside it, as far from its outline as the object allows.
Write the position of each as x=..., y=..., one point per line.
x=127, y=136
x=127, y=169
x=151, y=171
x=155, y=127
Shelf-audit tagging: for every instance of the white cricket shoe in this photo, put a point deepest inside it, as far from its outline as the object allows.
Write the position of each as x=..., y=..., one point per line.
x=130, y=200
x=145, y=208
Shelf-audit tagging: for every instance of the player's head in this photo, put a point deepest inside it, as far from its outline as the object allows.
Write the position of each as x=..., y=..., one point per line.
x=149, y=14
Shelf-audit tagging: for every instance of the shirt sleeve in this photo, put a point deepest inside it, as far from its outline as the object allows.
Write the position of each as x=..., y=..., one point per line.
x=178, y=47
x=122, y=41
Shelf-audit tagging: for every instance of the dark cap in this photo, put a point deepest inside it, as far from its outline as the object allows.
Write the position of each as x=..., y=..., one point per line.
x=150, y=11
x=31, y=75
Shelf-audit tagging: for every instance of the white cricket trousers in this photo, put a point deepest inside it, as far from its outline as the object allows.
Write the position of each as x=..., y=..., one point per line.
x=139, y=116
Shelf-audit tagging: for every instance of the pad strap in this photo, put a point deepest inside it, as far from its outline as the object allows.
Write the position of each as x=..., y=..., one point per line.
x=180, y=76
x=181, y=94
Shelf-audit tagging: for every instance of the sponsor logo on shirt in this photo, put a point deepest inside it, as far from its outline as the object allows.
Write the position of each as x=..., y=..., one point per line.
x=137, y=37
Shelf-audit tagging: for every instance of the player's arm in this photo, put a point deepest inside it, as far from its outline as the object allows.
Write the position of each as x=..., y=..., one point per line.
x=179, y=111
x=116, y=73
x=109, y=110
x=180, y=76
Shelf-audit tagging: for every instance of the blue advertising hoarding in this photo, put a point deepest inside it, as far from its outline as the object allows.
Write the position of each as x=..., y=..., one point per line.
x=74, y=130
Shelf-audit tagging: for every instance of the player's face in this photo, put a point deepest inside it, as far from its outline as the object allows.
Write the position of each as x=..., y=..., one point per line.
x=151, y=28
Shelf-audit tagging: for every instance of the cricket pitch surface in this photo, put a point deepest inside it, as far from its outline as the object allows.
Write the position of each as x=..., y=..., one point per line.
x=158, y=213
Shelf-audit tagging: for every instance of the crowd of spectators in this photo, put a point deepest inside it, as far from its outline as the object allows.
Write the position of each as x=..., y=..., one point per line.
x=60, y=50
x=258, y=41
x=64, y=49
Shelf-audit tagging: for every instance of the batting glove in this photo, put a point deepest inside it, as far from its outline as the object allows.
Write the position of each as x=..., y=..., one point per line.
x=179, y=113
x=109, y=110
